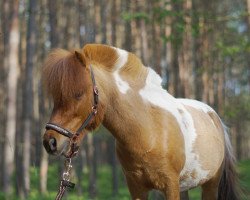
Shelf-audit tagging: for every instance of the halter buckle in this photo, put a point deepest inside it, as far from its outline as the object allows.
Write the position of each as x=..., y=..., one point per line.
x=96, y=91
x=94, y=109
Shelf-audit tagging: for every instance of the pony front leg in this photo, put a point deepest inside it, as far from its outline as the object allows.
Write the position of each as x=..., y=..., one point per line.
x=137, y=190
x=172, y=190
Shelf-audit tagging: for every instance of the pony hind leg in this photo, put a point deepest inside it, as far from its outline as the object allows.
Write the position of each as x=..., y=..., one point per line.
x=210, y=188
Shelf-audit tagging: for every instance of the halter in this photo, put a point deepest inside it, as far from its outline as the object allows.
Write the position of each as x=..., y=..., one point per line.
x=74, y=136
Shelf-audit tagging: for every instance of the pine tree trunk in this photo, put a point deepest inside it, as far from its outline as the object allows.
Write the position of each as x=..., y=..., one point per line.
x=43, y=171
x=90, y=22
x=54, y=38
x=4, y=35
x=248, y=22
x=103, y=14
x=185, y=55
x=44, y=155
x=12, y=56
x=90, y=157
x=128, y=30
x=28, y=95
x=113, y=22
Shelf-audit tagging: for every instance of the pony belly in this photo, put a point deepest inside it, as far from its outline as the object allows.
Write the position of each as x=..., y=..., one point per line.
x=193, y=179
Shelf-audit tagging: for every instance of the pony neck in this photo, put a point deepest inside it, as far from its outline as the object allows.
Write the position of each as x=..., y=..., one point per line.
x=121, y=114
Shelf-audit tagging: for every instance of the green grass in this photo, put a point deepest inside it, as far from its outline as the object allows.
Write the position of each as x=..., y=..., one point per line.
x=105, y=188
x=244, y=171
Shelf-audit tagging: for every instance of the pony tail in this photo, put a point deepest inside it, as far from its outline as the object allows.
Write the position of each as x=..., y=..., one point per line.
x=229, y=184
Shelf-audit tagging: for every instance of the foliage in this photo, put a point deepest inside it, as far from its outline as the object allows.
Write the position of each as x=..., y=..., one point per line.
x=240, y=109
x=105, y=188
x=138, y=15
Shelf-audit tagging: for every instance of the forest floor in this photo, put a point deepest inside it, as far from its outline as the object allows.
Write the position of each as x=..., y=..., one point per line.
x=104, y=185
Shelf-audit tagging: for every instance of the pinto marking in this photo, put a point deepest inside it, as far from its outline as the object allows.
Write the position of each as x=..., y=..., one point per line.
x=155, y=94
x=122, y=58
x=196, y=104
x=122, y=85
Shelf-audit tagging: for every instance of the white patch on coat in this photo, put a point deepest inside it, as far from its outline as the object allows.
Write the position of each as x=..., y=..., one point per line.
x=155, y=94
x=122, y=85
x=196, y=104
x=122, y=58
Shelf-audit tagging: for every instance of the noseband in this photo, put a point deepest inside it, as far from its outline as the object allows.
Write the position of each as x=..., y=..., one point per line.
x=74, y=136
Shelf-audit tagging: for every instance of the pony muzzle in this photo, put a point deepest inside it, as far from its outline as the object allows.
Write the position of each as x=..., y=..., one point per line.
x=50, y=144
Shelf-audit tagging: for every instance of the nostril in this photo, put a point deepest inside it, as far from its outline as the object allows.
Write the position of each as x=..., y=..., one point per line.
x=52, y=144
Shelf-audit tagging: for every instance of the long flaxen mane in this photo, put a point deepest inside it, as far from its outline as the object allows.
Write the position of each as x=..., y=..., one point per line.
x=63, y=75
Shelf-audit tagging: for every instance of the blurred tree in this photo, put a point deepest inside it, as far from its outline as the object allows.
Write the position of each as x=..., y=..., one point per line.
x=128, y=30
x=19, y=129
x=13, y=73
x=54, y=25
x=113, y=22
x=103, y=15
x=42, y=101
x=186, y=54
x=4, y=29
x=28, y=94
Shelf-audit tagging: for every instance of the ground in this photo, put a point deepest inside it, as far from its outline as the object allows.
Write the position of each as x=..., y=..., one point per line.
x=105, y=188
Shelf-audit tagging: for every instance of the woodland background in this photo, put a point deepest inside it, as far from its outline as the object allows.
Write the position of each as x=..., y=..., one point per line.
x=200, y=48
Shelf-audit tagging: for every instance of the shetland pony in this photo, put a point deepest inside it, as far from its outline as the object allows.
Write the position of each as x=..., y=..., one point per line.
x=162, y=142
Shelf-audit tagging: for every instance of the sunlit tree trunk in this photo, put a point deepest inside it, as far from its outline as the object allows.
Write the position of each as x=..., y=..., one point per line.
x=70, y=26
x=113, y=22
x=174, y=78
x=28, y=94
x=144, y=42
x=113, y=162
x=185, y=55
x=82, y=22
x=103, y=15
x=43, y=108
x=127, y=29
x=13, y=73
x=42, y=104
x=92, y=188
x=205, y=63
x=168, y=31
x=53, y=21
x=197, y=52
x=248, y=32
x=90, y=22
x=221, y=91
x=19, y=133
x=4, y=39
x=44, y=155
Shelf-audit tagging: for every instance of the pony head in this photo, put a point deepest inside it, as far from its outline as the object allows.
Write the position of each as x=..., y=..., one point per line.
x=67, y=77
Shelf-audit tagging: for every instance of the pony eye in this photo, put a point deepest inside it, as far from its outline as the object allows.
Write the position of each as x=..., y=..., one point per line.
x=78, y=95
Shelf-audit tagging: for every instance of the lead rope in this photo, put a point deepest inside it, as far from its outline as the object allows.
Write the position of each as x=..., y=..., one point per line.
x=65, y=182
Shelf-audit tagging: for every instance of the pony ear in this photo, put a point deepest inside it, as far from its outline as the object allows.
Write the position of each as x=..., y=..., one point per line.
x=79, y=56
x=103, y=54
